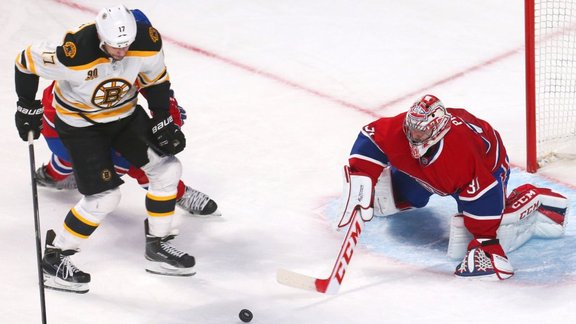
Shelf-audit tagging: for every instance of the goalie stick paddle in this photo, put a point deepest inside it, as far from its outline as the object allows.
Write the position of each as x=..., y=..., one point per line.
x=332, y=284
x=37, y=224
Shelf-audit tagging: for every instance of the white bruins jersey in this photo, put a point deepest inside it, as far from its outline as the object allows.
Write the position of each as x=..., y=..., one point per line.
x=90, y=86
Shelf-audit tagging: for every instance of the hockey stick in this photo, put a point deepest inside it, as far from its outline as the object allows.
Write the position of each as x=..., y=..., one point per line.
x=332, y=284
x=37, y=224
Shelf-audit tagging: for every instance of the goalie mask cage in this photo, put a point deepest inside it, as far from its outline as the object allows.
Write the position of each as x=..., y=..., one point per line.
x=550, y=31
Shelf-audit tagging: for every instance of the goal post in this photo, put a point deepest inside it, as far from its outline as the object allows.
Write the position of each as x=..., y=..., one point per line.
x=531, y=160
x=550, y=36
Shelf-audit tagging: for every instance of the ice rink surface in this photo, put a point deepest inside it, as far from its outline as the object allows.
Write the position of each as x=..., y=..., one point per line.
x=276, y=93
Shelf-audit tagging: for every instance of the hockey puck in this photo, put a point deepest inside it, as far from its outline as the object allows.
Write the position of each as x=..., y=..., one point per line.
x=245, y=315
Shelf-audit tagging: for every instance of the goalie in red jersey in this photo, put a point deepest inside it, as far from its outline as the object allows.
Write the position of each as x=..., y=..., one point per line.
x=432, y=149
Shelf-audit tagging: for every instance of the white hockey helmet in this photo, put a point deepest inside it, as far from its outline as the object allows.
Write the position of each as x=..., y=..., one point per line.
x=426, y=123
x=116, y=26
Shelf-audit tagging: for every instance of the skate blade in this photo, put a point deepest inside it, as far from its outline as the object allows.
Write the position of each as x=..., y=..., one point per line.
x=58, y=284
x=161, y=268
x=216, y=213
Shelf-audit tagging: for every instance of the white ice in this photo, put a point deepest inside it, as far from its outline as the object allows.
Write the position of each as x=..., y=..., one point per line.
x=276, y=92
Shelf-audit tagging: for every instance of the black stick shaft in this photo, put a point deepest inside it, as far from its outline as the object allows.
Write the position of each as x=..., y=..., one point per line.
x=37, y=225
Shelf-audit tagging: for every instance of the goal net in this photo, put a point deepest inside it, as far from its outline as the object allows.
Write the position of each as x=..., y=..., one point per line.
x=550, y=81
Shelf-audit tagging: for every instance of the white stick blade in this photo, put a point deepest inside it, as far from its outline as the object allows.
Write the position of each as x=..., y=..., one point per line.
x=296, y=280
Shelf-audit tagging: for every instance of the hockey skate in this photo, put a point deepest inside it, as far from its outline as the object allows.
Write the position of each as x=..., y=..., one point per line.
x=198, y=203
x=59, y=272
x=164, y=259
x=43, y=179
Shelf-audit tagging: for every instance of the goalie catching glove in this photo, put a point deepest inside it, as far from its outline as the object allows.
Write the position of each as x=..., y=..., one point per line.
x=169, y=138
x=485, y=260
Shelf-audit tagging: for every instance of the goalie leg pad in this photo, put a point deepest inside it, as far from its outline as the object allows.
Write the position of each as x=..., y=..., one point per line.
x=357, y=192
x=540, y=212
x=459, y=238
x=551, y=214
x=384, y=203
x=530, y=212
x=551, y=224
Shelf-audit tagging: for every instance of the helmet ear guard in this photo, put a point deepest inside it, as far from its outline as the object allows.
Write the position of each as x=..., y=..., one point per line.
x=116, y=26
x=425, y=124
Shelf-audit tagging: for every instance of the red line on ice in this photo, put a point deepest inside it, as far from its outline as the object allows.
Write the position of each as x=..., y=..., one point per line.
x=375, y=112
x=251, y=69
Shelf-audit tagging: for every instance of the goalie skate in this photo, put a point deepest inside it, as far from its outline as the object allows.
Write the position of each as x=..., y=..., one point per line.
x=198, y=203
x=164, y=259
x=59, y=272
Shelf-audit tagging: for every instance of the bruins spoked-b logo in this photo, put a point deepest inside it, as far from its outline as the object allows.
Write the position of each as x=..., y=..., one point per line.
x=69, y=49
x=110, y=92
x=106, y=175
x=153, y=33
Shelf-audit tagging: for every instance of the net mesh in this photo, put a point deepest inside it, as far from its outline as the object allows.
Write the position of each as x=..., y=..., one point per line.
x=555, y=58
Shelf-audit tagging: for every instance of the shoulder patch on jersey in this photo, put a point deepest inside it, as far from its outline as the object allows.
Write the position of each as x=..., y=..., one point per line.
x=147, y=39
x=154, y=36
x=69, y=49
x=81, y=47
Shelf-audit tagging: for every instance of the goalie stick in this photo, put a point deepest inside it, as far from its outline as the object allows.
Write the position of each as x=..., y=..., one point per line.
x=332, y=284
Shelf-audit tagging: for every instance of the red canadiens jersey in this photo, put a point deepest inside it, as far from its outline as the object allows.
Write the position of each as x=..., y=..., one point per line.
x=48, y=129
x=462, y=163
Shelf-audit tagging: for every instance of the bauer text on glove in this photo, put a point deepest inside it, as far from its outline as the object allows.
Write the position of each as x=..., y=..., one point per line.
x=169, y=138
x=29, y=118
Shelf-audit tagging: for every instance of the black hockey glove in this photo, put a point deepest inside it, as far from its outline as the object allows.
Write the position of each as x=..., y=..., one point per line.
x=29, y=118
x=169, y=138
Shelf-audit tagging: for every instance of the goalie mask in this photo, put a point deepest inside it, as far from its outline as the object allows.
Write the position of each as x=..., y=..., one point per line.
x=116, y=27
x=425, y=124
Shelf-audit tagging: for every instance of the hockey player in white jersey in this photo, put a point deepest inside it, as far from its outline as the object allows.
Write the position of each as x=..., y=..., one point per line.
x=98, y=70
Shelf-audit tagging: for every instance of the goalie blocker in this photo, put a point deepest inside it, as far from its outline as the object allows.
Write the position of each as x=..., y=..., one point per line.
x=356, y=191
x=382, y=199
x=530, y=212
x=355, y=209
